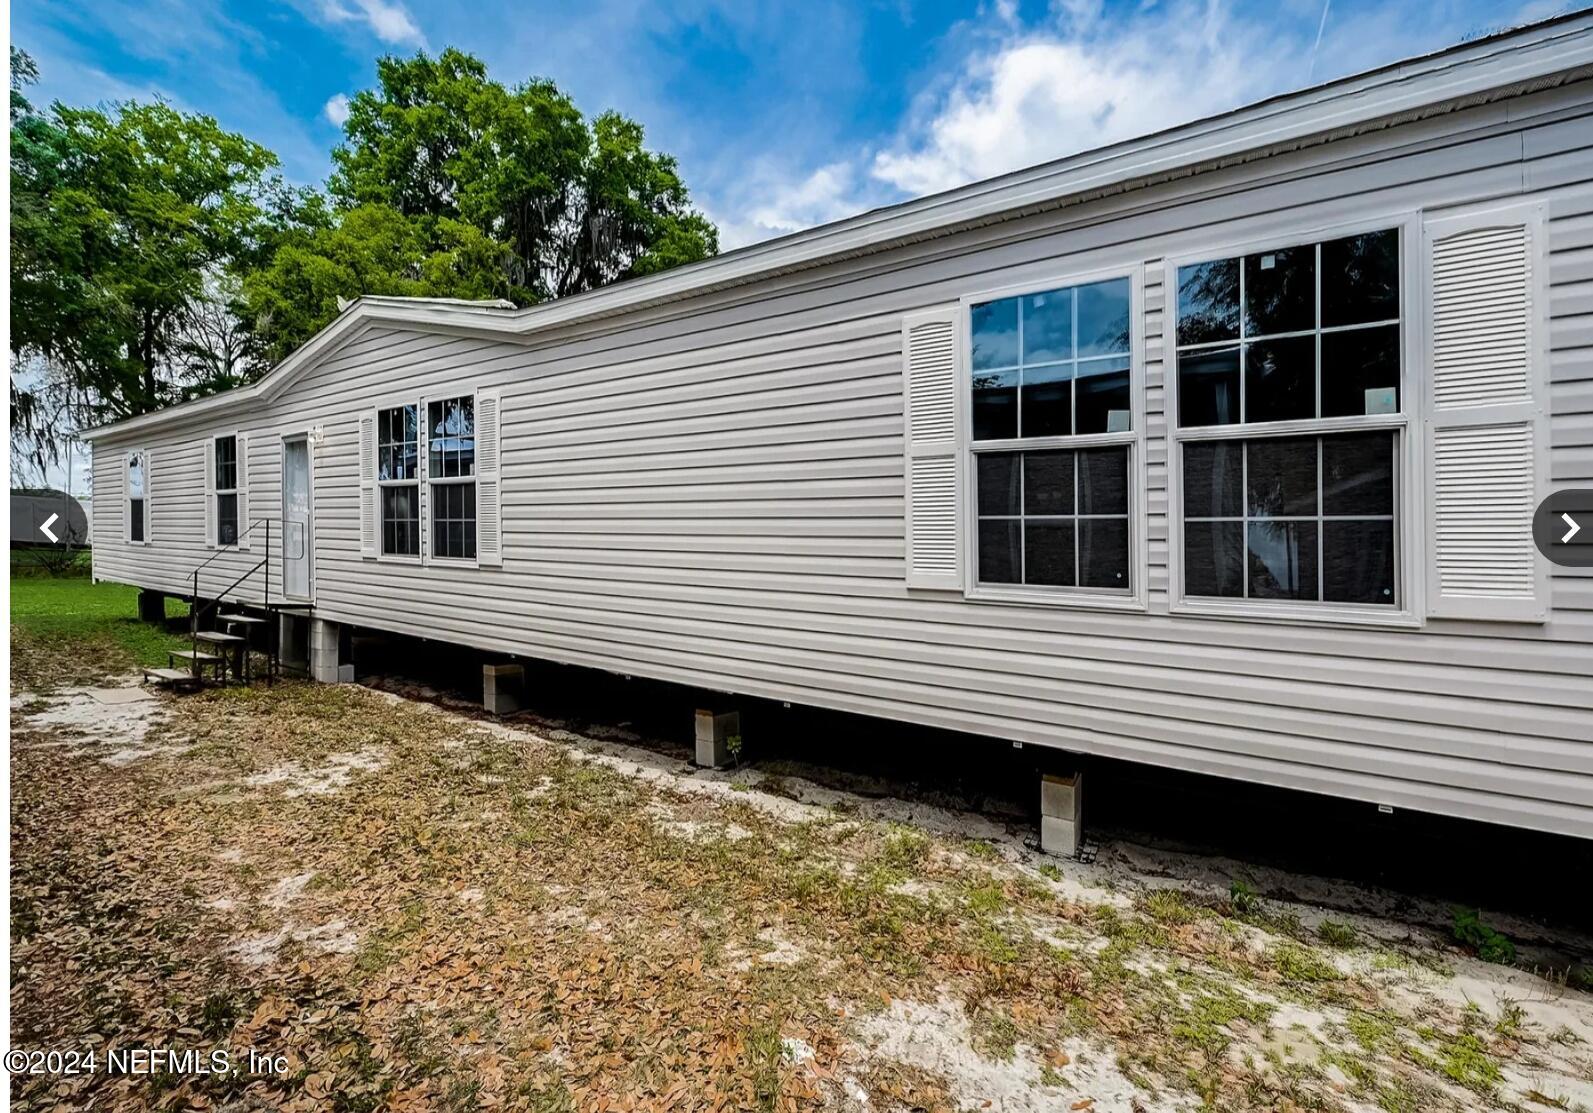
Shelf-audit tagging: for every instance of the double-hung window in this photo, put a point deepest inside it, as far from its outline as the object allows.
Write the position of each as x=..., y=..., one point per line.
x=1052, y=439
x=398, y=479
x=226, y=489
x=429, y=473
x=1289, y=425
x=451, y=476
x=137, y=498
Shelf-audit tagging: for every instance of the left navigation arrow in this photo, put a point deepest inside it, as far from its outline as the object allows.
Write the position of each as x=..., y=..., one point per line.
x=45, y=528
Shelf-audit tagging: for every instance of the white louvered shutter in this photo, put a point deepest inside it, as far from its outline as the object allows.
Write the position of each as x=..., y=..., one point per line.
x=489, y=520
x=245, y=538
x=423, y=473
x=210, y=492
x=368, y=483
x=149, y=497
x=1486, y=421
x=929, y=383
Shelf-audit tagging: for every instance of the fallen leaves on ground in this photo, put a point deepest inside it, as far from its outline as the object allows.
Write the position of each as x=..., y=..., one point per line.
x=476, y=919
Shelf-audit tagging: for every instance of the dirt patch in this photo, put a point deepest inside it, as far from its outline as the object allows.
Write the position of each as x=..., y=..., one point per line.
x=288, y=890
x=939, y=1037
x=113, y=723
x=330, y=775
x=332, y=938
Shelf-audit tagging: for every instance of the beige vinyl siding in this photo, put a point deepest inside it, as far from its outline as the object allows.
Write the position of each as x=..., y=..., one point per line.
x=712, y=493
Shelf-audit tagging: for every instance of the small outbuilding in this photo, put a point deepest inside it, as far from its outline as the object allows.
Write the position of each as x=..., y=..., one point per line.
x=37, y=509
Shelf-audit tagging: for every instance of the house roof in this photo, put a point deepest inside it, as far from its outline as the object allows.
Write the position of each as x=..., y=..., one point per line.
x=1513, y=63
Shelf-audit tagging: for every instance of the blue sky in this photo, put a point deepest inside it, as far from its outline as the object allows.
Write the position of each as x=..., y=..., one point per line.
x=783, y=115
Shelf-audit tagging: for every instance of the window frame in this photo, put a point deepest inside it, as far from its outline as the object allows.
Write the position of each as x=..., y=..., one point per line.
x=1135, y=597
x=142, y=456
x=419, y=482
x=1404, y=423
x=216, y=491
x=427, y=549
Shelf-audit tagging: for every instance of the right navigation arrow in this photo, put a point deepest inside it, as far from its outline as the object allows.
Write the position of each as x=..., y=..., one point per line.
x=1575, y=529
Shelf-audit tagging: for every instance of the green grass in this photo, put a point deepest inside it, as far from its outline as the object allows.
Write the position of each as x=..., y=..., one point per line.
x=90, y=623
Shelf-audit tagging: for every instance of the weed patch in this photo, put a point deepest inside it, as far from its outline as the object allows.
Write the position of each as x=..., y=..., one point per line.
x=1490, y=945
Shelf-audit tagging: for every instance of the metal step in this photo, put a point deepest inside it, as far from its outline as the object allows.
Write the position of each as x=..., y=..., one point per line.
x=198, y=656
x=219, y=638
x=170, y=676
x=242, y=620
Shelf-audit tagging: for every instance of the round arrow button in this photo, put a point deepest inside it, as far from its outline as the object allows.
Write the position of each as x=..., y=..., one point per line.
x=1562, y=528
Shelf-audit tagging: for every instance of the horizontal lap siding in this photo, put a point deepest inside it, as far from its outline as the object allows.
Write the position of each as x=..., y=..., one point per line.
x=176, y=532
x=712, y=494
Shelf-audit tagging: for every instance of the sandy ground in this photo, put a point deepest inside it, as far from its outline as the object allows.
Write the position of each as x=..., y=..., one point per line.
x=851, y=952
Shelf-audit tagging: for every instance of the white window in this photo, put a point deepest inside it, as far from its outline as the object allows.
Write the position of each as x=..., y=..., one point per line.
x=1290, y=425
x=429, y=481
x=1052, y=438
x=138, y=498
x=398, y=479
x=451, y=476
x=226, y=490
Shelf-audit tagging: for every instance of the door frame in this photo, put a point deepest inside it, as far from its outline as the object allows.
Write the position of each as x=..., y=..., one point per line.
x=308, y=440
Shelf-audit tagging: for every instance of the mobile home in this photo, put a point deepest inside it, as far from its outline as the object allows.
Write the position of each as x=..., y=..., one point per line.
x=1217, y=450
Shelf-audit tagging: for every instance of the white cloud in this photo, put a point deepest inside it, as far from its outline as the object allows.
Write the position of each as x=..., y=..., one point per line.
x=826, y=194
x=1083, y=83
x=1021, y=95
x=390, y=22
x=1085, y=77
x=772, y=200
x=336, y=109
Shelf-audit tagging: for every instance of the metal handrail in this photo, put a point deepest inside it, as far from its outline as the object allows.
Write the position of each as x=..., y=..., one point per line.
x=195, y=611
x=222, y=550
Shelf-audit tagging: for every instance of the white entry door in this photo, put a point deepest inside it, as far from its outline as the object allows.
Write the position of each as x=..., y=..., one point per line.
x=297, y=518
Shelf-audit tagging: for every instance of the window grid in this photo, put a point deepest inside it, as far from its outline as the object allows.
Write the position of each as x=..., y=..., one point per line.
x=1244, y=340
x=1244, y=517
x=398, y=451
x=1023, y=518
x=451, y=474
x=1393, y=422
x=450, y=458
x=227, y=524
x=454, y=520
x=1112, y=361
x=1073, y=442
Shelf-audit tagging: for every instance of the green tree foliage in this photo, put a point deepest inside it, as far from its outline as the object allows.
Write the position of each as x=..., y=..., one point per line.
x=123, y=221
x=32, y=447
x=157, y=257
x=371, y=249
x=451, y=184
x=579, y=205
